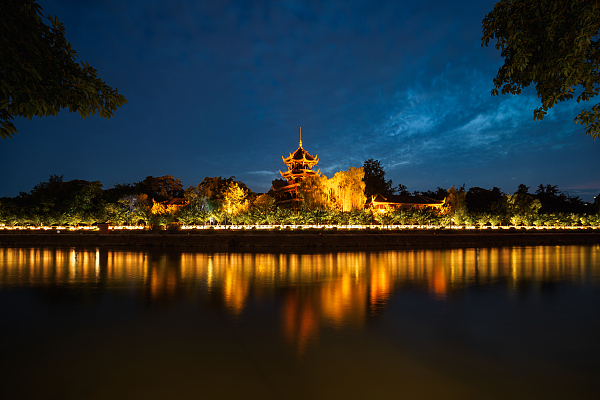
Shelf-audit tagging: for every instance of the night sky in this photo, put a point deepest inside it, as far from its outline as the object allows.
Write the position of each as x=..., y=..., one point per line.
x=221, y=88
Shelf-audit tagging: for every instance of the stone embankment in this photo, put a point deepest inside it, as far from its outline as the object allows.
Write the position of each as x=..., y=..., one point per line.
x=303, y=240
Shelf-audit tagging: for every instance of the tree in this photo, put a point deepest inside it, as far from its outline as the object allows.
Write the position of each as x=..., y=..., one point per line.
x=40, y=75
x=374, y=179
x=313, y=192
x=263, y=203
x=522, y=208
x=234, y=199
x=481, y=200
x=59, y=202
x=161, y=188
x=348, y=189
x=439, y=194
x=553, y=44
x=552, y=199
x=214, y=188
x=119, y=191
x=196, y=200
x=161, y=215
x=456, y=204
x=522, y=189
x=555, y=201
x=402, y=190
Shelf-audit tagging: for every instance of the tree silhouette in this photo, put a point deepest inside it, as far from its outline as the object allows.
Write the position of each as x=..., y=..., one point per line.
x=40, y=75
x=375, y=182
x=553, y=44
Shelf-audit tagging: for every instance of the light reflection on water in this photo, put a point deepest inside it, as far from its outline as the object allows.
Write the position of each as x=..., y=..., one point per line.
x=317, y=304
x=348, y=285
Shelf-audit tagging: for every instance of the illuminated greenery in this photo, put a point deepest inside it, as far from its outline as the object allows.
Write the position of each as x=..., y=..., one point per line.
x=226, y=201
x=344, y=192
x=347, y=189
x=313, y=192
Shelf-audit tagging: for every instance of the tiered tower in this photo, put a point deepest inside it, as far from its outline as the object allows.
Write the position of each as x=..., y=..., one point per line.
x=300, y=165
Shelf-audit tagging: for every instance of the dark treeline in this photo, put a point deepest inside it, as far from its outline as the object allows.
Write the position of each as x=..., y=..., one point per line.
x=162, y=201
x=152, y=201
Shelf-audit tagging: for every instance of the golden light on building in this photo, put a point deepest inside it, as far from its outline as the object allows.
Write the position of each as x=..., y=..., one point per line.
x=300, y=166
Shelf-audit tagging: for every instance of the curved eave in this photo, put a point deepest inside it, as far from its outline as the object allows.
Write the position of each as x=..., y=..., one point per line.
x=303, y=172
x=300, y=160
x=288, y=201
x=290, y=172
x=300, y=156
x=287, y=188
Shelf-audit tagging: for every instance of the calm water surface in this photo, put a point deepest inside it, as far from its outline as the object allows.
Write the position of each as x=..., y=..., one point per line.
x=514, y=322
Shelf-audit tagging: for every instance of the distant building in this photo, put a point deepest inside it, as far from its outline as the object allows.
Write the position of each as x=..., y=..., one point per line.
x=300, y=166
x=378, y=202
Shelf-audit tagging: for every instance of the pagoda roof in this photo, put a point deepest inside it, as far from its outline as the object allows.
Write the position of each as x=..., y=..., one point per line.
x=300, y=156
x=299, y=172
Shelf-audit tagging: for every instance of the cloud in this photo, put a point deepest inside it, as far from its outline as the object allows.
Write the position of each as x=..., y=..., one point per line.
x=217, y=88
x=266, y=173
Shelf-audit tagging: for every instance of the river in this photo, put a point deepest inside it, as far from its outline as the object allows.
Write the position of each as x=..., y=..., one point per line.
x=506, y=322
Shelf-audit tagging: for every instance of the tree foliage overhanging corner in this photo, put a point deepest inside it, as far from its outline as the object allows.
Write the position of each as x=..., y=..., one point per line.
x=554, y=44
x=39, y=74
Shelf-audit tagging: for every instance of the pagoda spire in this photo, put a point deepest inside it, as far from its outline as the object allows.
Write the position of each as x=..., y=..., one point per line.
x=300, y=136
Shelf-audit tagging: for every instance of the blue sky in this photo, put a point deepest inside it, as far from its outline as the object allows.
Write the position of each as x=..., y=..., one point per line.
x=221, y=88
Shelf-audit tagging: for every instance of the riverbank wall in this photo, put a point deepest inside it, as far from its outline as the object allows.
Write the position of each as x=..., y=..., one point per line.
x=281, y=240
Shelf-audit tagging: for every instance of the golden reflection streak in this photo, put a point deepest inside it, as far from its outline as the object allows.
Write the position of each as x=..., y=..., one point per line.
x=336, y=290
x=97, y=265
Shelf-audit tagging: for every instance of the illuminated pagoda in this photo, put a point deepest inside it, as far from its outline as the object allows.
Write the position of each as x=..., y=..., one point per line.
x=300, y=166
